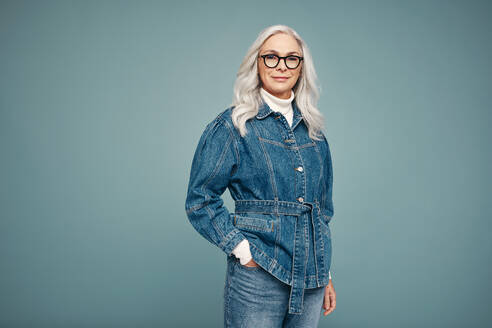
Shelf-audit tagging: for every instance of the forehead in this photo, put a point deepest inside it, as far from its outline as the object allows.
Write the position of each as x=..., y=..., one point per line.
x=281, y=43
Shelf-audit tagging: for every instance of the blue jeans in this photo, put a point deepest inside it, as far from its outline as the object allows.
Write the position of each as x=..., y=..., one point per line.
x=255, y=298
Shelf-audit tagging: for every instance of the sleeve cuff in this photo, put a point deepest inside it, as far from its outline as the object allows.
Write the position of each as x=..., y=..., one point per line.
x=242, y=252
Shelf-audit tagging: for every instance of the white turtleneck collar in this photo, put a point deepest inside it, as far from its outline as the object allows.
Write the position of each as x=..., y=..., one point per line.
x=277, y=104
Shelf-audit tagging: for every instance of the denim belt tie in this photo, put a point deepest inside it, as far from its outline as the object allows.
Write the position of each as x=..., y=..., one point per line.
x=302, y=212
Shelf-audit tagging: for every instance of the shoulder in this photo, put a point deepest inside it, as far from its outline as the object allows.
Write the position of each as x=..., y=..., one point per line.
x=226, y=115
x=223, y=121
x=324, y=143
x=324, y=138
x=220, y=126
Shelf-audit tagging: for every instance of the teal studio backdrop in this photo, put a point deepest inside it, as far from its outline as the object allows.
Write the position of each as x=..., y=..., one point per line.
x=102, y=104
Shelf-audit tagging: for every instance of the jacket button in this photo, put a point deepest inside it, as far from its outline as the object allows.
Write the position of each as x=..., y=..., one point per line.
x=300, y=199
x=300, y=169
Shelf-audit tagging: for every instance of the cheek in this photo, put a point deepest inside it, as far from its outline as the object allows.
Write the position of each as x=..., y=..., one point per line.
x=264, y=77
x=295, y=78
x=298, y=75
x=262, y=73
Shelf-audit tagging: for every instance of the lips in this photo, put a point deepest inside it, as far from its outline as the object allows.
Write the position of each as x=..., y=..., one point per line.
x=280, y=78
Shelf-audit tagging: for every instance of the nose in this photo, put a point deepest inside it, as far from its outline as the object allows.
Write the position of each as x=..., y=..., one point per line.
x=281, y=65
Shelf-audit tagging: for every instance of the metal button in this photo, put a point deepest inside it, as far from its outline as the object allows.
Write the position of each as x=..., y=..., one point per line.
x=300, y=169
x=300, y=199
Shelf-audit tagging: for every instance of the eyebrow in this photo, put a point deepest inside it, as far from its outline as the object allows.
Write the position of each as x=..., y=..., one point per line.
x=289, y=53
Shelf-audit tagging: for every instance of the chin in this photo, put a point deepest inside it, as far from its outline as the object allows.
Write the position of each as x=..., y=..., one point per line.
x=282, y=89
x=279, y=86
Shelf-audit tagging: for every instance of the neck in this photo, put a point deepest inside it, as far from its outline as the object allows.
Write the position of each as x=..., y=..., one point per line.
x=277, y=104
x=281, y=95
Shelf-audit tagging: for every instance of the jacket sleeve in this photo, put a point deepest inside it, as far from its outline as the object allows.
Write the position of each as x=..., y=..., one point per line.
x=215, y=160
x=328, y=209
x=327, y=205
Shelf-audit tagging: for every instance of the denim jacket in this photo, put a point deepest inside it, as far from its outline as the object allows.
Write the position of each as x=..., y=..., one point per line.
x=281, y=182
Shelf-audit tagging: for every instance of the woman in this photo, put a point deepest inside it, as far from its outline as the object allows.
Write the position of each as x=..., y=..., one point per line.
x=269, y=151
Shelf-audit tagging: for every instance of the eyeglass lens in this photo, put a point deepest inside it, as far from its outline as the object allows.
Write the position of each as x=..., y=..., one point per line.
x=272, y=61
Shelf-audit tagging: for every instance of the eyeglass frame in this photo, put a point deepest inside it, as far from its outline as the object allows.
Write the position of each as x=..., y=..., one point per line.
x=279, y=58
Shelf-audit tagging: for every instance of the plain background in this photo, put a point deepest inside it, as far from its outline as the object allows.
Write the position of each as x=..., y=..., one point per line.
x=102, y=104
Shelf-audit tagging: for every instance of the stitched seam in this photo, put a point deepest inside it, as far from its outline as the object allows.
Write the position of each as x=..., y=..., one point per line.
x=269, y=163
x=228, y=238
x=216, y=168
x=306, y=145
x=265, y=225
x=279, y=266
x=197, y=207
x=273, y=142
x=303, y=173
x=254, y=227
x=260, y=212
x=235, y=142
x=321, y=167
x=293, y=257
x=227, y=312
x=278, y=235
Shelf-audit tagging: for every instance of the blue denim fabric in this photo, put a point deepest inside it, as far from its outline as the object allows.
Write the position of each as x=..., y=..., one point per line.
x=281, y=181
x=254, y=298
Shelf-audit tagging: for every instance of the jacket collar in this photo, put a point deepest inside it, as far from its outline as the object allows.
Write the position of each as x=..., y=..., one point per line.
x=264, y=110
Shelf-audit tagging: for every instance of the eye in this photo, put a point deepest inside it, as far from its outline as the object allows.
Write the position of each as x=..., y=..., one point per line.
x=292, y=59
x=271, y=56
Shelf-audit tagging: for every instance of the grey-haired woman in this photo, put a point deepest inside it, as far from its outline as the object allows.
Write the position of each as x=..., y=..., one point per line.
x=269, y=151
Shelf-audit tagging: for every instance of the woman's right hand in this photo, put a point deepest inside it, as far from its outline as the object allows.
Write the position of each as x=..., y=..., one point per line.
x=251, y=264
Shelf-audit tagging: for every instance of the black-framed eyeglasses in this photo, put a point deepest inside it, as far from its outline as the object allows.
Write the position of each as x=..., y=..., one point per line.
x=272, y=60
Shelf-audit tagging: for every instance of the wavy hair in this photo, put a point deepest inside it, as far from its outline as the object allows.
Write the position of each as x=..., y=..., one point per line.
x=247, y=98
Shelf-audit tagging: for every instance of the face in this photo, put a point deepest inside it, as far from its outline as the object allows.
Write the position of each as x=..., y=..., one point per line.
x=280, y=80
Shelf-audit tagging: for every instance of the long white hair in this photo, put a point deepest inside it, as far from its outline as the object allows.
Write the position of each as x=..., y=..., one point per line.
x=247, y=98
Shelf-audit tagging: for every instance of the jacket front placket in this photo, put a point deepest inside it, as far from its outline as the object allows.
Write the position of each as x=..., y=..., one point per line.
x=302, y=229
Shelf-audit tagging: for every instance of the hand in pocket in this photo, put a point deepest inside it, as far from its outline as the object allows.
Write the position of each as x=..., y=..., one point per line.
x=251, y=264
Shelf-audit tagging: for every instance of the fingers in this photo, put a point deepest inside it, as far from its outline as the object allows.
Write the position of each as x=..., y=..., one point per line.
x=329, y=309
x=326, y=304
x=251, y=263
x=329, y=302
